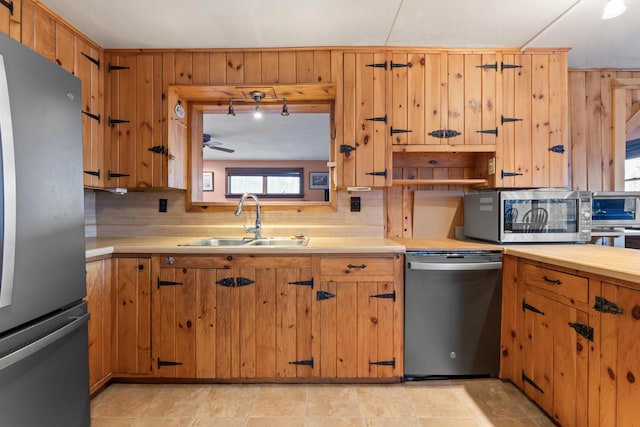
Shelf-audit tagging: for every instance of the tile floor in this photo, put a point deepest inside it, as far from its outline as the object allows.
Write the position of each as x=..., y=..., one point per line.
x=448, y=403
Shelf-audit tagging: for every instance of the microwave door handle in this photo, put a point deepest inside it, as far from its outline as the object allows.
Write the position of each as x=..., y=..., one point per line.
x=477, y=266
x=8, y=192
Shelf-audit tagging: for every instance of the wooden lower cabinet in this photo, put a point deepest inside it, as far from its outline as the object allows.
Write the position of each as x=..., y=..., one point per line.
x=131, y=316
x=359, y=313
x=100, y=306
x=570, y=340
x=277, y=317
x=235, y=316
x=618, y=373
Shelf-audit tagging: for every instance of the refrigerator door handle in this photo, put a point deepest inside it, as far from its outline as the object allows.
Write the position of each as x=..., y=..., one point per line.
x=34, y=347
x=8, y=196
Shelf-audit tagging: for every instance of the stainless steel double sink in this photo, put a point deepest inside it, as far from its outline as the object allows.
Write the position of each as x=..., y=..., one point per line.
x=265, y=241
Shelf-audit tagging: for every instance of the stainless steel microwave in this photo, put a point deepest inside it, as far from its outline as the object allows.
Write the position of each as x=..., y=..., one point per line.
x=615, y=209
x=528, y=216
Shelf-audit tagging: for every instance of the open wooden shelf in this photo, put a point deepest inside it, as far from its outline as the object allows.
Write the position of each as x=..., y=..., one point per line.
x=452, y=181
x=444, y=148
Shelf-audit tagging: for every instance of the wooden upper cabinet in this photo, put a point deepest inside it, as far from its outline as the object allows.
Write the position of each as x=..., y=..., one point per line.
x=533, y=151
x=137, y=153
x=10, y=20
x=363, y=158
x=443, y=98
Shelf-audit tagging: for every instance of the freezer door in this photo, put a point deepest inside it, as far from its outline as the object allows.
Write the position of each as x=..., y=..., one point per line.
x=42, y=190
x=44, y=377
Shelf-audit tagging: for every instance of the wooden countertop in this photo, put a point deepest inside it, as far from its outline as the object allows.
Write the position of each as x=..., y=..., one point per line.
x=617, y=263
x=151, y=245
x=445, y=245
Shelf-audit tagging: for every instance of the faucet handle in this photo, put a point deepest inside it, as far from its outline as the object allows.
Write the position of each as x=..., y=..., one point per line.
x=249, y=229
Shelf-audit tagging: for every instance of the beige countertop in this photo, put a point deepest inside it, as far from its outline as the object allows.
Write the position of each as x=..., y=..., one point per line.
x=617, y=263
x=151, y=245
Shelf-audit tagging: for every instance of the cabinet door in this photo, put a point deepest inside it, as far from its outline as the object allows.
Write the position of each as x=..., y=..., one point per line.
x=364, y=159
x=137, y=156
x=10, y=22
x=244, y=317
x=260, y=328
x=99, y=303
x=132, y=315
x=174, y=323
x=434, y=92
x=92, y=78
x=619, y=362
x=555, y=358
x=534, y=123
x=357, y=324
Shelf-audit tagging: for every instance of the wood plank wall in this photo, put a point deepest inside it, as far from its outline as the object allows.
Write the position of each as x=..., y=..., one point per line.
x=591, y=122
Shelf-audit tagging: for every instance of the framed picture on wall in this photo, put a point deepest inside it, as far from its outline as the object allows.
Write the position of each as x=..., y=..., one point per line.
x=318, y=180
x=207, y=181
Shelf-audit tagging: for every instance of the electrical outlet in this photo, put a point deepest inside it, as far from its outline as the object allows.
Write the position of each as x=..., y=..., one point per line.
x=492, y=166
x=355, y=204
x=163, y=205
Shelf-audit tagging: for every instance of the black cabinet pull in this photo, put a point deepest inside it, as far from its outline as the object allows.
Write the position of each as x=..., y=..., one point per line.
x=554, y=281
x=357, y=267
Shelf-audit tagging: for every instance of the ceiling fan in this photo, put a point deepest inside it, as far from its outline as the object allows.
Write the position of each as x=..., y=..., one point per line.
x=214, y=145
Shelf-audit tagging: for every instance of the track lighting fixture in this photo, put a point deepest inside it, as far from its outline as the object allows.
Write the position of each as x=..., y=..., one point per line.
x=258, y=96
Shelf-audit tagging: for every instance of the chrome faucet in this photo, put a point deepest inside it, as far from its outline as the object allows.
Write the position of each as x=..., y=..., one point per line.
x=256, y=229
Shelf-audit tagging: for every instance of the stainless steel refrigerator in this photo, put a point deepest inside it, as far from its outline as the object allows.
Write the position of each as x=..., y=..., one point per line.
x=44, y=377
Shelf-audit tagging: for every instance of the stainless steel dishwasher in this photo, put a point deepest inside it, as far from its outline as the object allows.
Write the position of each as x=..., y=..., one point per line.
x=452, y=313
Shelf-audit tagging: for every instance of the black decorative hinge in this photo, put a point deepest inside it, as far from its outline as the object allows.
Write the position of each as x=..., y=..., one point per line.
x=346, y=149
x=93, y=173
x=227, y=282
x=112, y=122
x=582, y=329
x=504, y=119
x=379, y=173
x=303, y=362
x=94, y=60
x=162, y=363
x=158, y=149
x=504, y=66
x=394, y=131
x=526, y=306
x=488, y=66
x=391, y=362
x=395, y=65
x=116, y=67
x=528, y=380
x=605, y=306
x=444, y=133
x=379, y=65
x=489, y=131
x=167, y=283
x=8, y=5
x=323, y=295
x=243, y=281
x=506, y=174
x=116, y=175
x=557, y=149
x=303, y=283
x=93, y=116
x=391, y=295
x=378, y=119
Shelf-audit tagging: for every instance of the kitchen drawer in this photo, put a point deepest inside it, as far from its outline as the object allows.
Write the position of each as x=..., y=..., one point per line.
x=356, y=266
x=575, y=288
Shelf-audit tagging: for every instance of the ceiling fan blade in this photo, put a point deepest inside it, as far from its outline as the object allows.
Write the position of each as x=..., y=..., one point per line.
x=226, y=150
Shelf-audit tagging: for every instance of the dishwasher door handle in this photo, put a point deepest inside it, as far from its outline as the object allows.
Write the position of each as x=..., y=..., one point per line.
x=454, y=266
